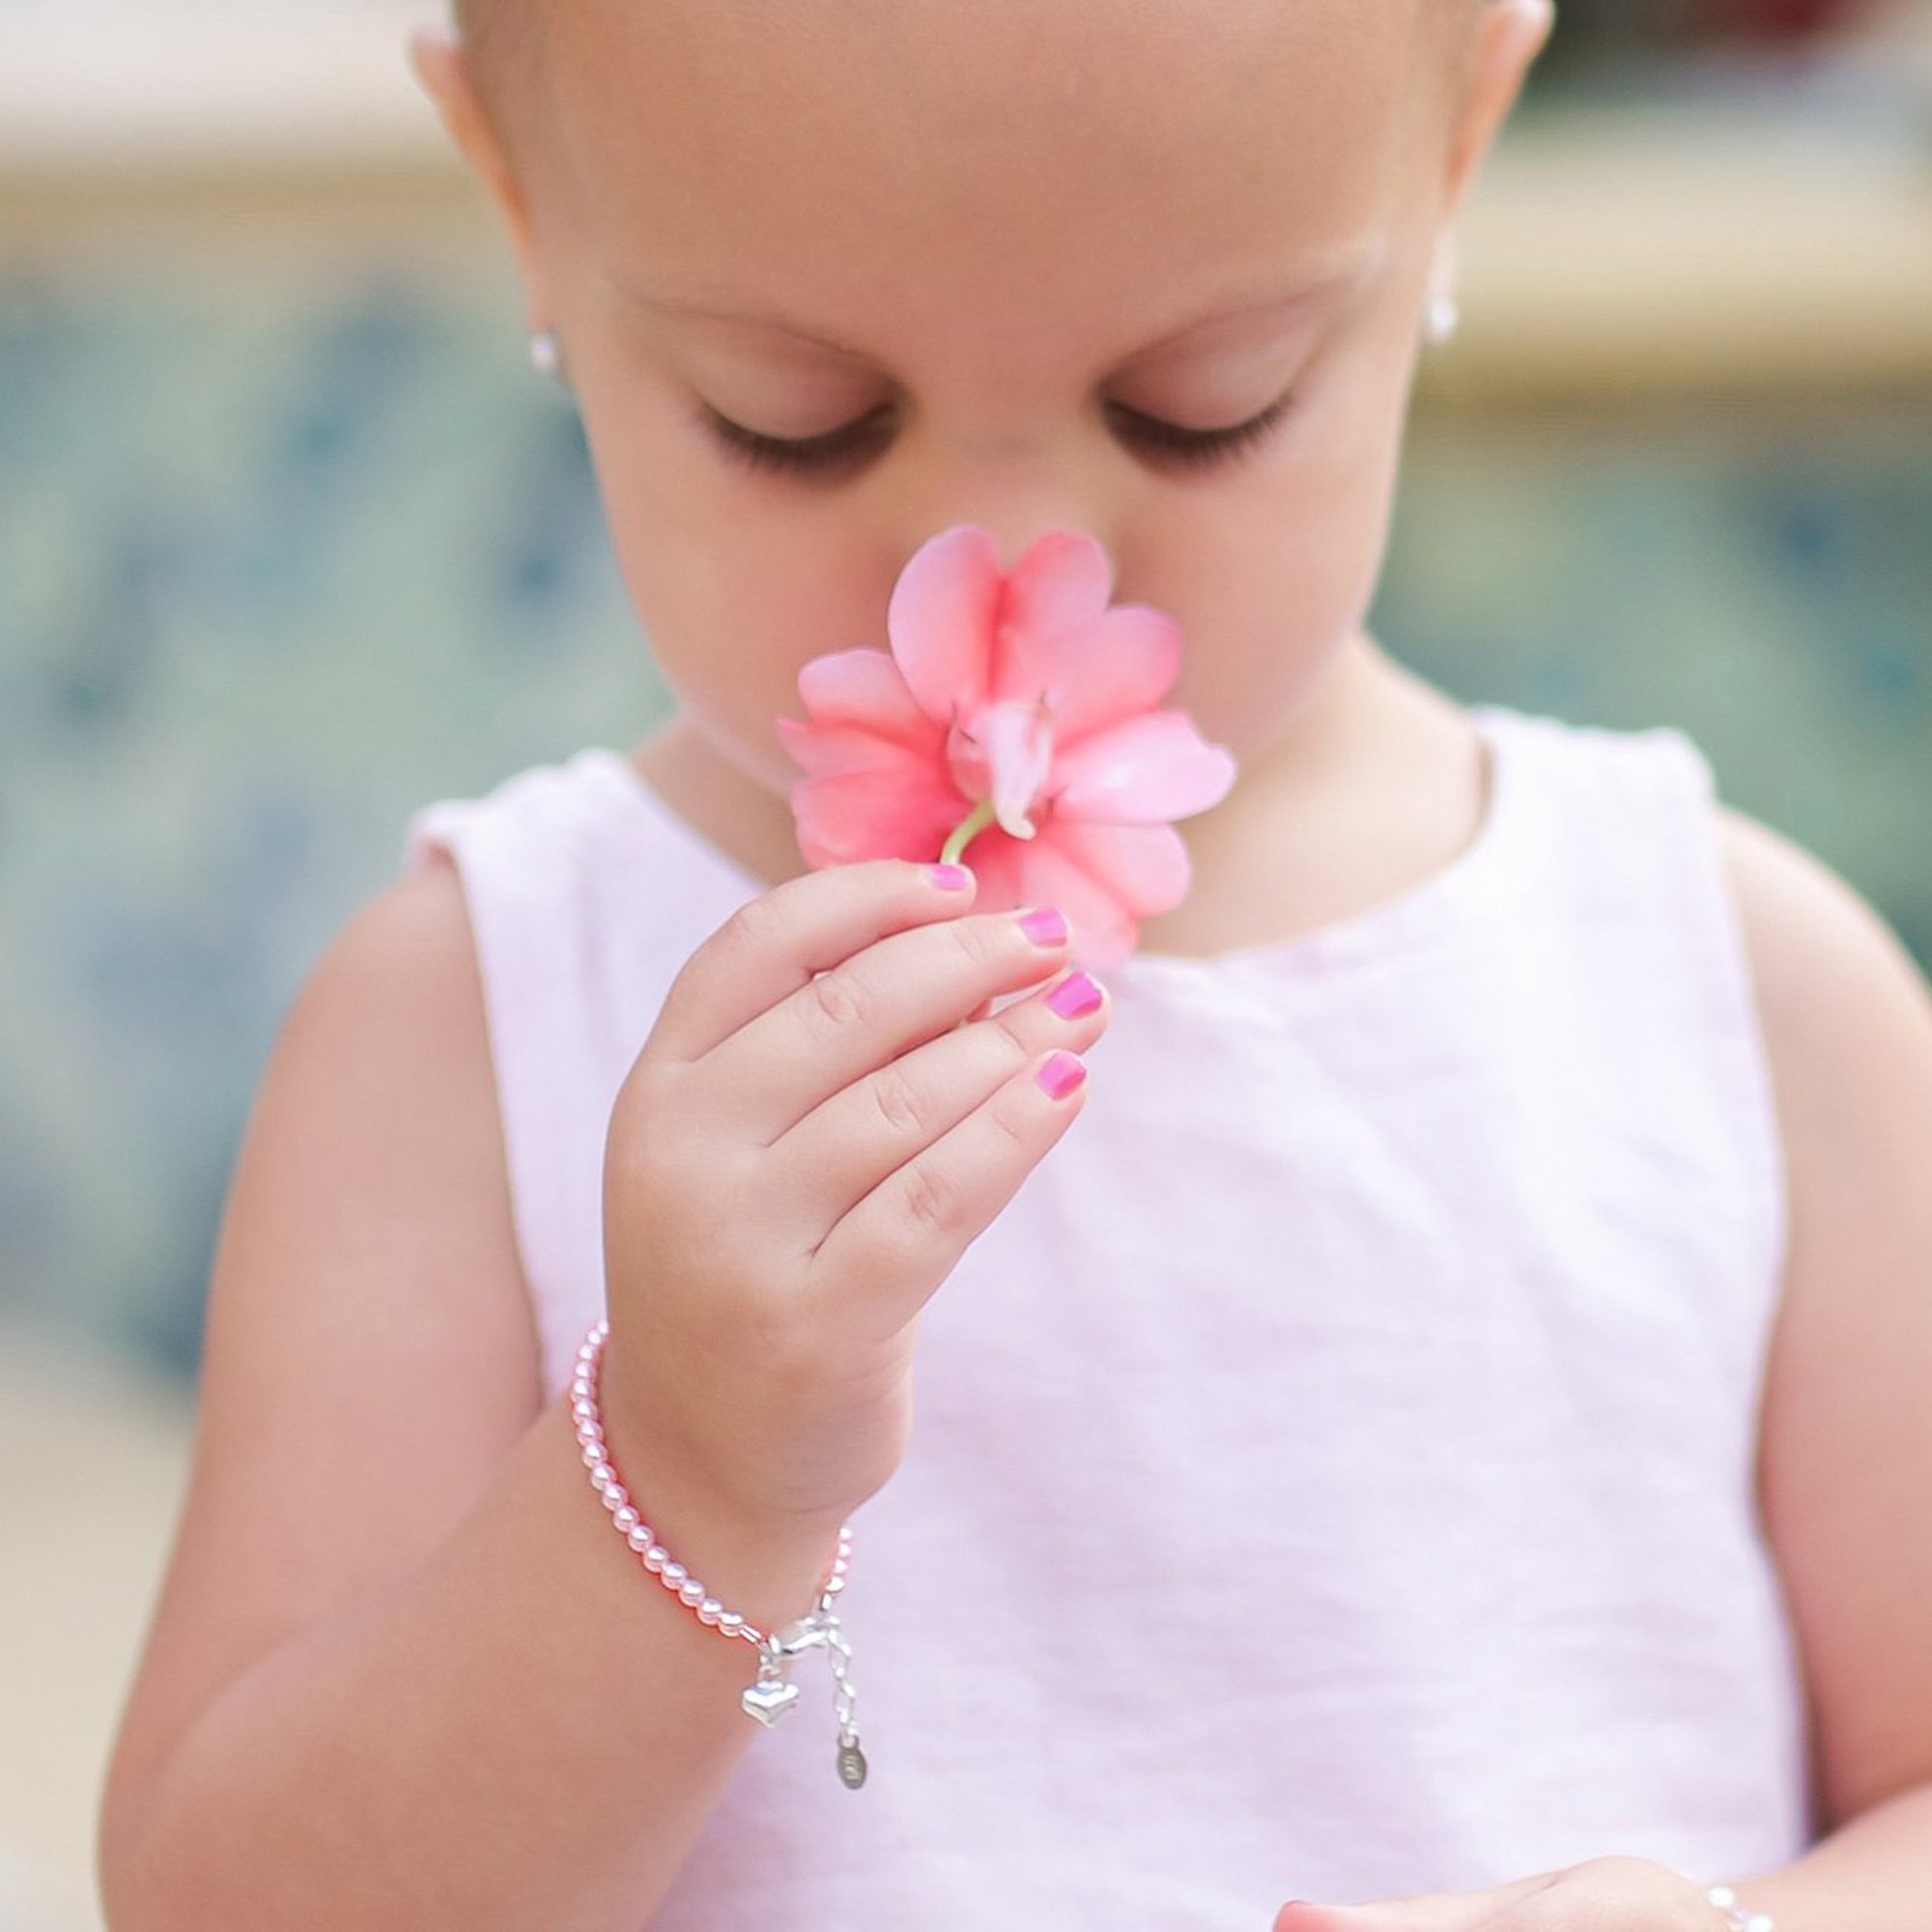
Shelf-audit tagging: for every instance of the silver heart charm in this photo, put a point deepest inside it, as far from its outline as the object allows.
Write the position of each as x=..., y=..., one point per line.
x=769, y=1702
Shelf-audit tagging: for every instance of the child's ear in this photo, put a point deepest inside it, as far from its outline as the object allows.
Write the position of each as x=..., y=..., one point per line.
x=1509, y=36
x=442, y=66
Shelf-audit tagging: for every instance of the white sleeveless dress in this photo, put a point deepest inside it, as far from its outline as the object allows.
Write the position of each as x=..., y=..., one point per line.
x=1331, y=1475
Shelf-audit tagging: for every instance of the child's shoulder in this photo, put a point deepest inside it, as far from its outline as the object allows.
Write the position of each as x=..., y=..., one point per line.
x=1846, y=1010
x=1846, y=1469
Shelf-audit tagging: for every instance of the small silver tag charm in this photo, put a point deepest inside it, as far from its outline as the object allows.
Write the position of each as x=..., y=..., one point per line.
x=852, y=1764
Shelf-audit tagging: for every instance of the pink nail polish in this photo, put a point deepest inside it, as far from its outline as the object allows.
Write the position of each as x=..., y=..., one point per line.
x=1076, y=994
x=1060, y=1073
x=1044, y=925
x=953, y=878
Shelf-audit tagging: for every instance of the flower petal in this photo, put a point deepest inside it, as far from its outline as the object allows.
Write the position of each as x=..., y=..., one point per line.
x=872, y=815
x=1146, y=868
x=1055, y=591
x=830, y=751
x=999, y=867
x=940, y=619
x=864, y=685
x=1121, y=663
x=1153, y=766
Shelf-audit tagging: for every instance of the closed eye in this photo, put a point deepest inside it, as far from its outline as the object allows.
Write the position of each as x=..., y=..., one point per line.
x=815, y=455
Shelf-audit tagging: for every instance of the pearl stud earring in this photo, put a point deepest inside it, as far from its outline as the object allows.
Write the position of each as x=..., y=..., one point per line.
x=1441, y=319
x=546, y=356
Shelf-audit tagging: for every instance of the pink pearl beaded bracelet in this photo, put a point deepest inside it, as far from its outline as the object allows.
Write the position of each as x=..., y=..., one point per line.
x=773, y=1694
x=1738, y=1917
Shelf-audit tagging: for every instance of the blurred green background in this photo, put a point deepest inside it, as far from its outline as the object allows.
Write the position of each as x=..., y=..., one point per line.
x=292, y=540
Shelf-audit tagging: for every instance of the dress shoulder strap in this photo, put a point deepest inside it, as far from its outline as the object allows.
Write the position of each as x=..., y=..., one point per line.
x=582, y=910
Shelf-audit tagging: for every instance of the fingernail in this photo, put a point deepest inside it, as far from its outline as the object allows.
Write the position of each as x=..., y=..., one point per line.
x=1044, y=925
x=954, y=878
x=1060, y=1073
x=1076, y=994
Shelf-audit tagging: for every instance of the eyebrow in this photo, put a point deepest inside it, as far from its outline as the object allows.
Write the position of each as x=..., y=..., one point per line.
x=698, y=300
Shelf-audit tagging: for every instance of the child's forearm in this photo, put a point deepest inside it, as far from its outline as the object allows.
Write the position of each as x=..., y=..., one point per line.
x=526, y=1732
x=1872, y=1874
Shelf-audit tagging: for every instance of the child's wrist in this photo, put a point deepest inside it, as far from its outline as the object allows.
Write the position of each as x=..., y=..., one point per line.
x=763, y=1563
x=758, y=1563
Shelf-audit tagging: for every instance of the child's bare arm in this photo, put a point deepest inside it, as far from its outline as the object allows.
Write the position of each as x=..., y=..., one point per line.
x=403, y=1672
x=1846, y=1443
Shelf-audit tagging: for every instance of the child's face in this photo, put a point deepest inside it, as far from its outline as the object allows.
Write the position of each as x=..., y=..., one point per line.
x=1022, y=224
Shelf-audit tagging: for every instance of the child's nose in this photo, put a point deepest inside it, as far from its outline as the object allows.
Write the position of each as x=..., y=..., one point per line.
x=1016, y=501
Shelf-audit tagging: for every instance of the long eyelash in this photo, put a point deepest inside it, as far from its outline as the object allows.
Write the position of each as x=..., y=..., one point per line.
x=819, y=452
x=1205, y=445
x=824, y=452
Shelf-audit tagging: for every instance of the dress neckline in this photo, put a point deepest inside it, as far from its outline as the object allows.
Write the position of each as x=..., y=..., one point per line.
x=1390, y=924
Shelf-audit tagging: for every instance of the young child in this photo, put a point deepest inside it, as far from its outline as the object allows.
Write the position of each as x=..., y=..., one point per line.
x=1429, y=1435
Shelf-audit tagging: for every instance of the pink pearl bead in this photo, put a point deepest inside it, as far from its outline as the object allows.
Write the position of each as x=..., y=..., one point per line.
x=656, y=1558
x=673, y=1574
x=709, y=1611
x=692, y=1591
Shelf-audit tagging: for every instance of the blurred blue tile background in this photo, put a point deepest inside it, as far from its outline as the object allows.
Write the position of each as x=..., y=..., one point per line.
x=275, y=569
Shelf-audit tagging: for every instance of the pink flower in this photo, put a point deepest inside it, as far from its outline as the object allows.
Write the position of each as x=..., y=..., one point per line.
x=1013, y=725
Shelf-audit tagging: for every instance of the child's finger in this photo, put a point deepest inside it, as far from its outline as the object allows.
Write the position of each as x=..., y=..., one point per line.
x=775, y=942
x=822, y=1167
x=889, y=997
x=884, y=1260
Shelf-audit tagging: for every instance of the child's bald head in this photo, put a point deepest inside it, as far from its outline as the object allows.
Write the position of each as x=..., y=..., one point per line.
x=505, y=42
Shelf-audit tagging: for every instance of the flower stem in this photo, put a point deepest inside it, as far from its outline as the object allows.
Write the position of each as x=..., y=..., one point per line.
x=961, y=836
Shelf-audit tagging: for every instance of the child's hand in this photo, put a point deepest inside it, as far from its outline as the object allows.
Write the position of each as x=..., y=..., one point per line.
x=1631, y=1894
x=795, y=1163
